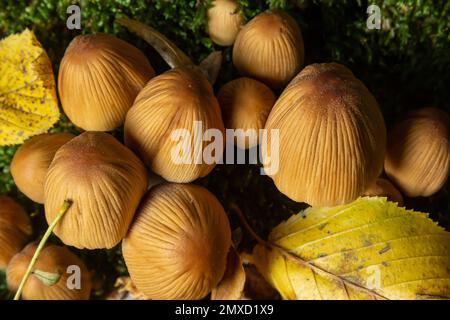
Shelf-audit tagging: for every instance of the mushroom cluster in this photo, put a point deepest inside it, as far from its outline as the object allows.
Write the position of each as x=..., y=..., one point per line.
x=176, y=236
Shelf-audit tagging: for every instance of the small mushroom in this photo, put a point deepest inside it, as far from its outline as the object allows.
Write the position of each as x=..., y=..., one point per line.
x=332, y=136
x=15, y=228
x=418, y=152
x=270, y=48
x=31, y=161
x=50, y=277
x=224, y=22
x=104, y=180
x=384, y=188
x=178, y=243
x=246, y=104
x=99, y=78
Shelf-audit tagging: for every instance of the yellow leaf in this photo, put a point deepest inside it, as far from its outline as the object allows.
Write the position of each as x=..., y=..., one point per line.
x=231, y=287
x=368, y=249
x=28, y=103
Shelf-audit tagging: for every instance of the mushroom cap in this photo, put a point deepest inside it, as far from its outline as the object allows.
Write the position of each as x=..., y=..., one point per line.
x=177, y=246
x=31, y=161
x=332, y=136
x=270, y=48
x=177, y=99
x=384, y=188
x=246, y=104
x=53, y=259
x=224, y=22
x=105, y=181
x=418, y=152
x=99, y=78
x=15, y=228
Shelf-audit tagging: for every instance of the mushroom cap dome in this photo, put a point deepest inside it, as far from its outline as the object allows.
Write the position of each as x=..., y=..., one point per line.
x=418, y=152
x=15, y=228
x=332, y=136
x=178, y=244
x=54, y=260
x=224, y=22
x=99, y=78
x=269, y=48
x=104, y=180
x=245, y=104
x=31, y=161
x=179, y=100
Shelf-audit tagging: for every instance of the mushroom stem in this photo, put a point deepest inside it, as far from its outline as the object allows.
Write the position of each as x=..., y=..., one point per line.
x=245, y=224
x=166, y=48
x=65, y=207
x=210, y=66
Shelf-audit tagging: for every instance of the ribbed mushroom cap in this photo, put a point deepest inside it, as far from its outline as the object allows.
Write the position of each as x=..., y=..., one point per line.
x=99, y=78
x=15, y=228
x=177, y=99
x=270, y=48
x=332, y=136
x=245, y=104
x=177, y=246
x=105, y=181
x=384, y=188
x=224, y=22
x=418, y=152
x=31, y=161
x=53, y=260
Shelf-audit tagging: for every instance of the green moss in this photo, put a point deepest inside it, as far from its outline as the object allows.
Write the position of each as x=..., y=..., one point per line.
x=406, y=65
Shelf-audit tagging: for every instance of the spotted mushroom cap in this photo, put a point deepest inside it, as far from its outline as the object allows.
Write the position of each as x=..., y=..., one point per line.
x=56, y=264
x=177, y=246
x=332, y=136
x=269, y=48
x=179, y=101
x=31, y=161
x=105, y=182
x=224, y=22
x=418, y=152
x=15, y=228
x=245, y=104
x=99, y=78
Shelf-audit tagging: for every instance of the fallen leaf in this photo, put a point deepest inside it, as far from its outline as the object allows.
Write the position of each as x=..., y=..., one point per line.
x=125, y=290
x=369, y=249
x=28, y=103
x=231, y=286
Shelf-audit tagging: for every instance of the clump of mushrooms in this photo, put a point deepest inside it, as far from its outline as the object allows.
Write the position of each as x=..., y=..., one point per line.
x=31, y=161
x=15, y=228
x=181, y=98
x=177, y=245
x=270, y=48
x=418, y=152
x=104, y=180
x=224, y=21
x=245, y=104
x=50, y=277
x=99, y=78
x=332, y=136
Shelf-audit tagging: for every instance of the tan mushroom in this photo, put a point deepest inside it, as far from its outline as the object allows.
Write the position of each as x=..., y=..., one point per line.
x=15, y=228
x=269, y=48
x=224, y=21
x=99, y=78
x=245, y=104
x=177, y=246
x=104, y=180
x=418, y=152
x=384, y=188
x=31, y=161
x=332, y=136
x=50, y=276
